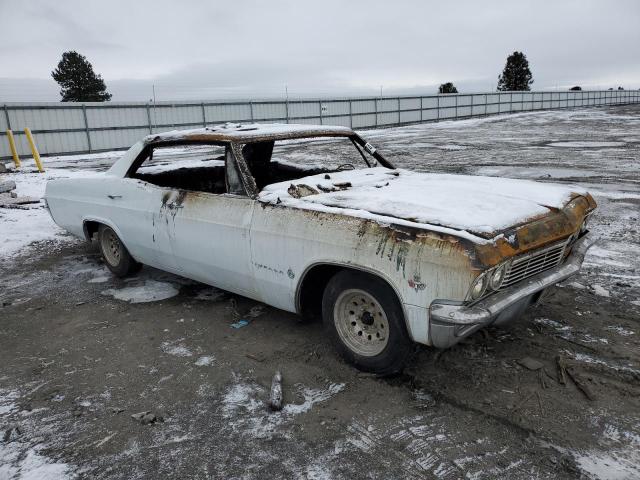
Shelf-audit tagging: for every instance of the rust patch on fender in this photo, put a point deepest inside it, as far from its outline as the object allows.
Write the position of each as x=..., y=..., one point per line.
x=551, y=228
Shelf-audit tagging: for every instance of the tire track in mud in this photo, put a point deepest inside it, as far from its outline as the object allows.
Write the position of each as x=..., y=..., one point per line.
x=425, y=466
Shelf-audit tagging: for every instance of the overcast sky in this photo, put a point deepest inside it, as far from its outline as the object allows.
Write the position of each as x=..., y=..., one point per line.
x=214, y=49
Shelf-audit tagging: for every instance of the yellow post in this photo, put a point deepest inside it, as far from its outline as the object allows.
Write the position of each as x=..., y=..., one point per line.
x=34, y=150
x=12, y=146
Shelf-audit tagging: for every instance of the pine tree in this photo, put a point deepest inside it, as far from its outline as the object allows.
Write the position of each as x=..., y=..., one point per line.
x=516, y=74
x=78, y=81
x=447, y=88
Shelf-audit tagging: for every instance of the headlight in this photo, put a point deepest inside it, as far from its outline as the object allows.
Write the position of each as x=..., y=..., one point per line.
x=497, y=276
x=478, y=287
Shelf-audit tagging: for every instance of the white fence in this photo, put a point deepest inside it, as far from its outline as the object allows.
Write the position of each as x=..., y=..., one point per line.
x=64, y=128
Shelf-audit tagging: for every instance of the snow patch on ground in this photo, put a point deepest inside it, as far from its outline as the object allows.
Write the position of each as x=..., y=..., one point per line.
x=19, y=228
x=150, y=291
x=177, y=349
x=205, y=361
x=244, y=405
x=601, y=291
x=586, y=144
x=19, y=460
x=620, y=460
x=621, y=330
x=101, y=279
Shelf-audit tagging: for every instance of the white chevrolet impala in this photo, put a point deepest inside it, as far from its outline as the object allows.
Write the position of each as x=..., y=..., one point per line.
x=313, y=219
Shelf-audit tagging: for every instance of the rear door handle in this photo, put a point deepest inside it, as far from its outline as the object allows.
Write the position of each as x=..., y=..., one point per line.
x=113, y=197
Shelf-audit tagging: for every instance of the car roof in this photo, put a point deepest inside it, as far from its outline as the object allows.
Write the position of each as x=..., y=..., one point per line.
x=249, y=132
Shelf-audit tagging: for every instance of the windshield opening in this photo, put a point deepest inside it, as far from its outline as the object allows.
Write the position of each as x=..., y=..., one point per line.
x=272, y=162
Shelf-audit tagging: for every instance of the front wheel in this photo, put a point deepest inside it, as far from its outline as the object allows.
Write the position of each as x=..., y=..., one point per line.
x=115, y=254
x=364, y=319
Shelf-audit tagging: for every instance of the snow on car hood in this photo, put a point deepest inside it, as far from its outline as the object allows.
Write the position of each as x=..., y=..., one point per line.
x=481, y=206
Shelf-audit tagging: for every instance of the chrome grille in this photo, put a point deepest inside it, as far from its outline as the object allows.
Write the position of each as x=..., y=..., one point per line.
x=533, y=263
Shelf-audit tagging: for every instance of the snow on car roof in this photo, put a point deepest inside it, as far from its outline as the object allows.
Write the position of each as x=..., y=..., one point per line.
x=250, y=132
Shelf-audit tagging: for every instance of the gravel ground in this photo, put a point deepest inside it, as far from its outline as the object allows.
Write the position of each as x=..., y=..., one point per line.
x=81, y=351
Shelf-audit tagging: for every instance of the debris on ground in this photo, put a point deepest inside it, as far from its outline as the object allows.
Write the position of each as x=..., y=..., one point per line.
x=240, y=323
x=257, y=358
x=147, y=417
x=580, y=383
x=562, y=370
x=7, y=186
x=255, y=311
x=10, y=199
x=275, y=399
x=530, y=363
x=12, y=433
x=244, y=320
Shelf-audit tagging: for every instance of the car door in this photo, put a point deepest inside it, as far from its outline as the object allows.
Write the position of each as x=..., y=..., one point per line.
x=208, y=236
x=125, y=206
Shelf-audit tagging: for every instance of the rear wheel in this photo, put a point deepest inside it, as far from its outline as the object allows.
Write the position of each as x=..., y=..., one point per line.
x=364, y=319
x=115, y=254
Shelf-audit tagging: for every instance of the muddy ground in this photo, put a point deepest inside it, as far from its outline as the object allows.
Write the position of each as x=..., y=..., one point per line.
x=77, y=359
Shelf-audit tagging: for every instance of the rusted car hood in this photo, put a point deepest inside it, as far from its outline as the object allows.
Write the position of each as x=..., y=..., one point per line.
x=479, y=206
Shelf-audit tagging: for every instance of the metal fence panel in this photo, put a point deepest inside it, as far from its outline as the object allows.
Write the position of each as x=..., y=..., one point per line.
x=221, y=113
x=364, y=121
x=61, y=128
x=410, y=103
x=364, y=106
x=46, y=118
x=304, y=109
x=275, y=111
x=114, y=139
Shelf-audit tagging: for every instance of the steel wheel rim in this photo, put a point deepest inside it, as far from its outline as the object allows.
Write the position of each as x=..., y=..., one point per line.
x=111, y=247
x=361, y=322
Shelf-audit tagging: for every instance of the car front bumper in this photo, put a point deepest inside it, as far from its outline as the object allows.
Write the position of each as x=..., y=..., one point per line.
x=450, y=322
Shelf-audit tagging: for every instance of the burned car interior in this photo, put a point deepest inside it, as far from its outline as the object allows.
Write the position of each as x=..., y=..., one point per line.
x=202, y=167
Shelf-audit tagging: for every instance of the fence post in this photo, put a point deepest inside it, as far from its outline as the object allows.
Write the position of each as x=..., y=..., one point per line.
x=511, y=102
x=34, y=149
x=204, y=116
x=6, y=116
x=251, y=110
x=12, y=147
x=375, y=103
x=86, y=126
x=456, y=105
x=438, y=107
x=319, y=110
x=149, y=119
x=350, y=114
x=398, y=110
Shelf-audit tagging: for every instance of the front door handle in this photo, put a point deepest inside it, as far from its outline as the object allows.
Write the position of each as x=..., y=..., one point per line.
x=113, y=197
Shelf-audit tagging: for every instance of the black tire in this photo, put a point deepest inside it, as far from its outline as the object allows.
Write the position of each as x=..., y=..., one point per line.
x=115, y=255
x=341, y=291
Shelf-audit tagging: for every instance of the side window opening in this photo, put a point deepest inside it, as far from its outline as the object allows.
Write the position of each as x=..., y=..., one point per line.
x=199, y=168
